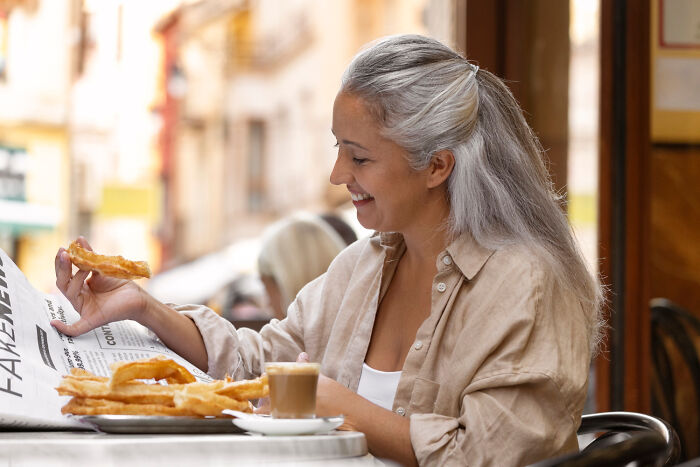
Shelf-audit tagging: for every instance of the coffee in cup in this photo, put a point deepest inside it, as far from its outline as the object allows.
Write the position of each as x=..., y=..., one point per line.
x=292, y=389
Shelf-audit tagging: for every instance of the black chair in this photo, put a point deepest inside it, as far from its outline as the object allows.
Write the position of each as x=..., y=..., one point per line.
x=690, y=463
x=624, y=437
x=675, y=339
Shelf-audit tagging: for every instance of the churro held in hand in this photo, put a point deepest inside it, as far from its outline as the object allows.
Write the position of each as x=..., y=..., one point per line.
x=114, y=266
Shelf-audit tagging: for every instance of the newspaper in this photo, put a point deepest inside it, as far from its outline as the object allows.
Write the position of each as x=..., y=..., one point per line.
x=34, y=355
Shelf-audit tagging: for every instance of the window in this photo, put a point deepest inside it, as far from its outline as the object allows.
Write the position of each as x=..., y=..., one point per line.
x=582, y=178
x=256, y=166
x=3, y=45
x=13, y=167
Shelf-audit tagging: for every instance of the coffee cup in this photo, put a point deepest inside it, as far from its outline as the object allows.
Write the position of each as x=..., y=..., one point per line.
x=292, y=389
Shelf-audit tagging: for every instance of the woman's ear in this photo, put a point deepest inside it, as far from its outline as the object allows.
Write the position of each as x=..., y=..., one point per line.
x=440, y=168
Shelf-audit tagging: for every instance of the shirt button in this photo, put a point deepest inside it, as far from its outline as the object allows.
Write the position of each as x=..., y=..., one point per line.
x=447, y=260
x=401, y=411
x=418, y=345
x=441, y=287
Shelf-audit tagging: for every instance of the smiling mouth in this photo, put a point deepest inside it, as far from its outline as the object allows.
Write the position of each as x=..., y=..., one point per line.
x=361, y=196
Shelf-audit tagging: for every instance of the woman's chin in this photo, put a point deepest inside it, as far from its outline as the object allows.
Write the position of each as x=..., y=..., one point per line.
x=366, y=223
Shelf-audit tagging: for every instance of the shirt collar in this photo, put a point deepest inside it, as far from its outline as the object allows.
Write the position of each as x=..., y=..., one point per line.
x=468, y=255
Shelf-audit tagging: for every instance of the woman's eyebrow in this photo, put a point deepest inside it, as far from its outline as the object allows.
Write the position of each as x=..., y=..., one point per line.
x=351, y=143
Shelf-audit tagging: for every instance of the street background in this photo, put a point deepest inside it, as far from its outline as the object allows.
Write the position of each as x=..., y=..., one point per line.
x=175, y=131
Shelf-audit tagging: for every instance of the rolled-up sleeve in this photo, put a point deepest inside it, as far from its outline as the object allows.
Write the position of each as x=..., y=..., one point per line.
x=506, y=419
x=241, y=353
x=511, y=373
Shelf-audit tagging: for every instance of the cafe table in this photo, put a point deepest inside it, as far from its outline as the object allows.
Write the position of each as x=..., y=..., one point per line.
x=77, y=448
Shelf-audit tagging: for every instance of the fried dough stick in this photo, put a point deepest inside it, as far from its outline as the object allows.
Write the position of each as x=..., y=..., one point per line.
x=114, y=266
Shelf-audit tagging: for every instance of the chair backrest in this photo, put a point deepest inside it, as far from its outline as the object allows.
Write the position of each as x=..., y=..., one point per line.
x=624, y=437
x=675, y=339
x=690, y=463
x=630, y=422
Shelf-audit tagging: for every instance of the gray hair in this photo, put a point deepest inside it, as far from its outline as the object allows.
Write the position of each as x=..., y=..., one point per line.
x=429, y=98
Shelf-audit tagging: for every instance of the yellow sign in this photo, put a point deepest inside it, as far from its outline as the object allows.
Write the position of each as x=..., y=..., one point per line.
x=130, y=201
x=675, y=71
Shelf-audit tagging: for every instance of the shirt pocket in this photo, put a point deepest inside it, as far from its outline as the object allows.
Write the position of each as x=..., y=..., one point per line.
x=424, y=396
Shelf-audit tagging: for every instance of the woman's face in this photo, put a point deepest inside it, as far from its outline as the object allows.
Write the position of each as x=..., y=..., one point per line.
x=388, y=194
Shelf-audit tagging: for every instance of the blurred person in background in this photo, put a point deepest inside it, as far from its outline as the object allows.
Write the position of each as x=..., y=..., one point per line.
x=343, y=229
x=244, y=298
x=461, y=333
x=295, y=251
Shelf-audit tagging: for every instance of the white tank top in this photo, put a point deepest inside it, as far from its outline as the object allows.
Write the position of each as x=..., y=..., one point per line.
x=378, y=387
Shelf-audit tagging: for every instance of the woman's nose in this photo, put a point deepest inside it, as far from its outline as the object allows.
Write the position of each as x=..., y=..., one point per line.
x=340, y=175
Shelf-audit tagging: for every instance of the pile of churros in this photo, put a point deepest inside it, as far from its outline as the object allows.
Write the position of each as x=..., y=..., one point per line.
x=156, y=386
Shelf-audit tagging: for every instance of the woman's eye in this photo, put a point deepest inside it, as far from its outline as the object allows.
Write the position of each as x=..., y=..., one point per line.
x=358, y=160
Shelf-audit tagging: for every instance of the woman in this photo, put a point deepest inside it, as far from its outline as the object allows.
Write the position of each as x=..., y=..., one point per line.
x=294, y=251
x=469, y=319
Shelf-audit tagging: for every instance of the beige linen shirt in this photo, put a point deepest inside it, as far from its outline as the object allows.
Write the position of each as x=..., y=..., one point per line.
x=497, y=373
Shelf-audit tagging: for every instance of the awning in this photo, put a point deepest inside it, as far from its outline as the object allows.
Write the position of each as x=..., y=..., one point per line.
x=20, y=216
x=199, y=280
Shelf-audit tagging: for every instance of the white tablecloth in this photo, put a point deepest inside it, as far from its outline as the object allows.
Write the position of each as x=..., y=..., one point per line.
x=103, y=450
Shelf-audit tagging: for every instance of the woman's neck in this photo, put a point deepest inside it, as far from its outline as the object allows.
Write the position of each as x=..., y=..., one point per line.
x=424, y=249
x=428, y=237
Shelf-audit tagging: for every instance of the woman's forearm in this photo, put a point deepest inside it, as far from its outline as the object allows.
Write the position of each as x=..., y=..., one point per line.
x=176, y=330
x=388, y=434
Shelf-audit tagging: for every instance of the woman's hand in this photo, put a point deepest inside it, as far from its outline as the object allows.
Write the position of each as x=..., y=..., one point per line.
x=387, y=433
x=98, y=300
x=101, y=300
x=331, y=397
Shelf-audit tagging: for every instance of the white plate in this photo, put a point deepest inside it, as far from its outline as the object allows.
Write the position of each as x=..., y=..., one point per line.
x=156, y=424
x=287, y=426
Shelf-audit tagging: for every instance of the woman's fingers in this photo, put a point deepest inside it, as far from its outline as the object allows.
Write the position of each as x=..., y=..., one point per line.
x=64, y=270
x=74, y=288
x=303, y=358
x=101, y=283
x=76, y=329
x=263, y=406
x=84, y=243
x=70, y=285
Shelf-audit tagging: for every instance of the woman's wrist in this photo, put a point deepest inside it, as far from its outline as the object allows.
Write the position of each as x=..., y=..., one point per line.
x=175, y=330
x=150, y=312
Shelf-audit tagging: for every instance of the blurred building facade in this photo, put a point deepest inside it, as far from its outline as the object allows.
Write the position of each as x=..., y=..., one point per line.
x=170, y=129
x=247, y=92
x=115, y=168
x=34, y=132
x=77, y=134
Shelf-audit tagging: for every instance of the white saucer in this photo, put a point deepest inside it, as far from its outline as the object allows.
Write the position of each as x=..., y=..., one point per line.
x=287, y=426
